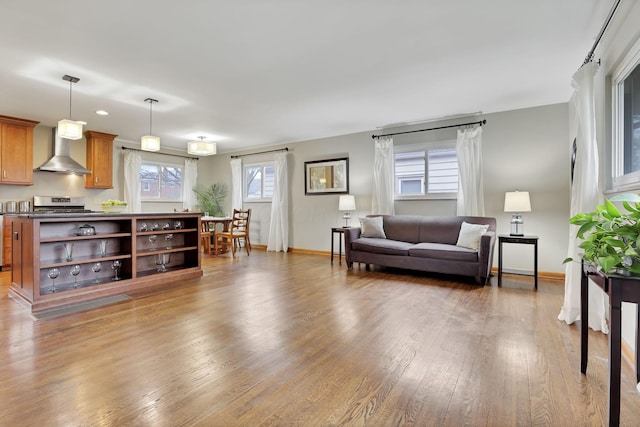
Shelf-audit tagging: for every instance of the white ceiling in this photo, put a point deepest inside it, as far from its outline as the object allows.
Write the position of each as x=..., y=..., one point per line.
x=255, y=73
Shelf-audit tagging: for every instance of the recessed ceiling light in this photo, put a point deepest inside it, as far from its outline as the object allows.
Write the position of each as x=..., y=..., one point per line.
x=102, y=113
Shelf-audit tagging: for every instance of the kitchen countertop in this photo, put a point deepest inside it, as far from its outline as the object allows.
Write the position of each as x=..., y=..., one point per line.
x=35, y=215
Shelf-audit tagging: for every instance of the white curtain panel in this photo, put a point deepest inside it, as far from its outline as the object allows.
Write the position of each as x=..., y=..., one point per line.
x=132, y=163
x=279, y=226
x=236, y=183
x=188, y=183
x=382, y=197
x=471, y=187
x=585, y=196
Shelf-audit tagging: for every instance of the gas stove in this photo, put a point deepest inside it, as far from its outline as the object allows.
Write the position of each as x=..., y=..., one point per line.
x=59, y=204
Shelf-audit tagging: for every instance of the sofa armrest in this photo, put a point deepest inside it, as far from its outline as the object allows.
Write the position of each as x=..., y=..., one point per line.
x=350, y=234
x=485, y=253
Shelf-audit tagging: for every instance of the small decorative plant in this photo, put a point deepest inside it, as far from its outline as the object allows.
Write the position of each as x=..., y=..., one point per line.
x=611, y=239
x=211, y=199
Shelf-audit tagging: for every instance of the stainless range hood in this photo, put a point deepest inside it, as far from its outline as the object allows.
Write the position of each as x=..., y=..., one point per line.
x=61, y=162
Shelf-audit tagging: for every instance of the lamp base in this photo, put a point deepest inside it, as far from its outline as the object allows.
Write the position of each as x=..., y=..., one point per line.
x=517, y=225
x=347, y=218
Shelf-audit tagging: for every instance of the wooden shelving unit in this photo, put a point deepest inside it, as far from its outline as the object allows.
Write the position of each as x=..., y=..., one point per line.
x=38, y=254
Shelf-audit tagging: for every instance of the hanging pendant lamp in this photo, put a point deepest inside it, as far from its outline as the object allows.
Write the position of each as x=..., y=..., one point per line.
x=68, y=128
x=202, y=148
x=150, y=142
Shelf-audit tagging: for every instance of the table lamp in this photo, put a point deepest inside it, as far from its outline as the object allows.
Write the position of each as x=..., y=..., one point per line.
x=517, y=202
x=347, y=204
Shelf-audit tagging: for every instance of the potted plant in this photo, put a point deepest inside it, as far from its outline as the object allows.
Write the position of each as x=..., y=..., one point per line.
x=211, y=199
x=611, y=238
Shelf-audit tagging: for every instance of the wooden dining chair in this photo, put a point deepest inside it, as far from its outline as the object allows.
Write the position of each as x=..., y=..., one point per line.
x=205, y=236
x=238, y=230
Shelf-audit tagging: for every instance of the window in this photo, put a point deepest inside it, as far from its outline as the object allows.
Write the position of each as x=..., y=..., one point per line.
x=430, y=172
x=160, y=182
x=626, y=122
x=258, y=182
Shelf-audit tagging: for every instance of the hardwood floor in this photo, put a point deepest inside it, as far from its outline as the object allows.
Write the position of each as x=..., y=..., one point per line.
x=289, y=339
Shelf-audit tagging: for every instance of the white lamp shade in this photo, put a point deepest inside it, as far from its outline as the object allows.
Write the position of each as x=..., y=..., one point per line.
x=150, y=143
x=202, y=148
x=70, y=129
x=347, y=203
x=517, y=201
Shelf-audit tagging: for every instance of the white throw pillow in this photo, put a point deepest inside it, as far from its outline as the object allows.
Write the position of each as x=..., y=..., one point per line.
x=372, y=227
x=470, y=234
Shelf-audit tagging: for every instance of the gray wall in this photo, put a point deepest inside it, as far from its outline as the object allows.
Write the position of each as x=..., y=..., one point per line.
x=524, y=149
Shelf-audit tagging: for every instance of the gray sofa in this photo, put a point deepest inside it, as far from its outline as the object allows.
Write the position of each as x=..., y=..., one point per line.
x=425, y=243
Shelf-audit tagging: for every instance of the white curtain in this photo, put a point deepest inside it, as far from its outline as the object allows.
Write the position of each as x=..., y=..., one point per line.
x=279, y=226
x=382, y=197
x=236, y=183
x=585, y=196
x=189, y=179
x=132, y=163
x=471, y=187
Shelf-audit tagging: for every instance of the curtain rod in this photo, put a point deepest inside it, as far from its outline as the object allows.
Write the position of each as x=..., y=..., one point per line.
x=481, y=122
x=589, y=57
x=260, y=152
x=157, y=152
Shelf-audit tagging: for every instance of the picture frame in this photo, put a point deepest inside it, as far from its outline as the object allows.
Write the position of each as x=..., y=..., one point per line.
x=326, y=176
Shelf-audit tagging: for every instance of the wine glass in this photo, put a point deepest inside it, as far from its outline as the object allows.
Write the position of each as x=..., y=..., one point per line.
x=155, y=227
x=161, y=260
x=53, y=275
x=177, y=224
x=116, y=268
x=166, y=226
x=68, y=250
x=96, y=268
x=152, y=239
x=103, y=248
x=168, y=238
x=143, y=226
x=75, y=270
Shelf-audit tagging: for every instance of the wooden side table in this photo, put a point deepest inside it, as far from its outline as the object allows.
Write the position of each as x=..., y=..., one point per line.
x=619, y=289
x=526, y=240
x=340, y=232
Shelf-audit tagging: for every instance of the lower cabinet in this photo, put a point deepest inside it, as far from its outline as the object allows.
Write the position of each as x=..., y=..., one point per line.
x=60, y=261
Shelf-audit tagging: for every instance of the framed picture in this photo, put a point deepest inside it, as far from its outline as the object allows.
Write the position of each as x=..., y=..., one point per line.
x=326, y=176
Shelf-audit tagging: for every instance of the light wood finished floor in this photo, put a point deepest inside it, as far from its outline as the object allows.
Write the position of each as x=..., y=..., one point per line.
x=289, y=339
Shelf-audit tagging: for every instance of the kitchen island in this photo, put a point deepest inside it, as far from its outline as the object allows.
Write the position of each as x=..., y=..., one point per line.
x=67, y=258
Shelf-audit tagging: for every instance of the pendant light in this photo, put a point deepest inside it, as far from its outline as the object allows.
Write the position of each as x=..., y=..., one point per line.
x=150, y=142
x=68, y=128
x=202, y=148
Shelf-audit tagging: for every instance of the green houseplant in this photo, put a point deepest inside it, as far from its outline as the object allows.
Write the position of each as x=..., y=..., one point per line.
x=211, y=199
x=611, y=238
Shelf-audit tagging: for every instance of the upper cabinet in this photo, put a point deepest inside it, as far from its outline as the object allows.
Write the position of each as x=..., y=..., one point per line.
x=16, y=150
x=99, y=159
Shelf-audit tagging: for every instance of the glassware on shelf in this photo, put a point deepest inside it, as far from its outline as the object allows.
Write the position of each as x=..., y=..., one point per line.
x=167, y=238
x=155, y=227
x=166, y=226
x=116, y=265
x=152, y=239
x=75, y=270
x=143, y=227
x=68, y=250
x=96, y=268
x=177, y=224
x=53, y=275
x=103, y=248
x=162, y=260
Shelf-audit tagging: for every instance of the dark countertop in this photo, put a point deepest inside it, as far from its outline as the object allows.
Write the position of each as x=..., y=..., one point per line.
x=83, y=215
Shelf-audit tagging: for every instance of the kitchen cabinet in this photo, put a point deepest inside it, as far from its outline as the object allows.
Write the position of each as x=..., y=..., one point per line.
x=55, y=265
x=99, y=159
x=6, y=243
x=16, y=151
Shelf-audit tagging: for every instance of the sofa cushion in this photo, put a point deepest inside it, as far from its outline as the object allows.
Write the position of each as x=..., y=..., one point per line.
x=443, y=251
x=372, y=227
x=381, y=246
x=470, y=234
